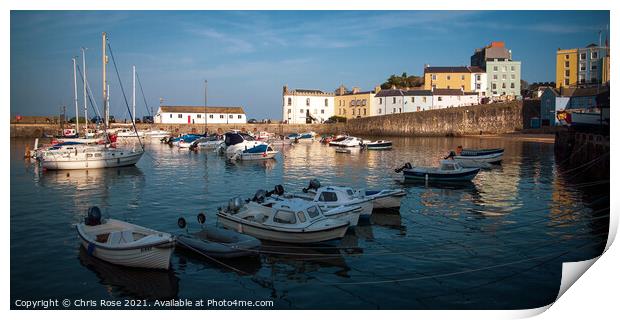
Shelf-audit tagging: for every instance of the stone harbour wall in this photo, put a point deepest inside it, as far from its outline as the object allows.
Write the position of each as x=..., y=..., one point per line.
x=494, y=118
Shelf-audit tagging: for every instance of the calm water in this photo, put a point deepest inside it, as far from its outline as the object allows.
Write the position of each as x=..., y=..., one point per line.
x=495, y=243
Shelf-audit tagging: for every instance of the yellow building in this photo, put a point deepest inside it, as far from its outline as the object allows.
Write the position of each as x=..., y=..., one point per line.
x=452, y=78
x=582, y=66
x=566, y=68
x=354, y=103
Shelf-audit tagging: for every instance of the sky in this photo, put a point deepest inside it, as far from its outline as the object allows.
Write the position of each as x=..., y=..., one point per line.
x=247, y=56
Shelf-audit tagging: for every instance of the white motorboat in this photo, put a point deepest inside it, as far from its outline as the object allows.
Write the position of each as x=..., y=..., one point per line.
x=334, y=142
x=209, y=142
x=155, y=134
x=259, y=152
x=448, y=171
x=123, y=243
x=349, y=142
x=467, y=156
x=292, y=220
x=129, y=133
x=89, y=157
x=379, y=145
x=381, y=199
x=235, y=143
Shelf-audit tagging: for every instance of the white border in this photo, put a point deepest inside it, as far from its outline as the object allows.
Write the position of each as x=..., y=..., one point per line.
x=594, y=295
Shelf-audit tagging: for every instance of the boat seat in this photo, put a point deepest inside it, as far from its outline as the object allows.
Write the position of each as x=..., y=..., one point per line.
x=120, y=237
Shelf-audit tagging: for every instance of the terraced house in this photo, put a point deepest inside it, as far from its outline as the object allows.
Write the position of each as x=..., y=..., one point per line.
x=582, y=66
x=467, y=79
x=354, y=103
x=503, y=73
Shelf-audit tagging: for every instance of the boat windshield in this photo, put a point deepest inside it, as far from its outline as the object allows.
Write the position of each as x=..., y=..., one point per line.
x=328, y=196
x=313, y=212
x=284, y=216
x=448, y=166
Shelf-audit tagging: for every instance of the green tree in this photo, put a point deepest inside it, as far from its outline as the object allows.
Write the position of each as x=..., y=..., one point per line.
x=402, y=81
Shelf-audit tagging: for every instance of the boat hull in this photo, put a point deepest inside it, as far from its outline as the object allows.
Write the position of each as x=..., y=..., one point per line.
x=366, y=207
x=258, y=156
x=151, y=257
x=386, y=199
x=289, y=236
x=59, y=162
x=491, y=158
x=464, y=175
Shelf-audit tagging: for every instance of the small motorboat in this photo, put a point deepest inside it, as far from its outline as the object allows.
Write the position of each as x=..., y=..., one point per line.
x=290, y=220
x=349, y=142
x=381, y=199
x=259, y=152
x=123, y=243
x=491, y=156
x=343, y=150
x=335, y=141
x=448, y=170
x=217, y=242
x=379, y=145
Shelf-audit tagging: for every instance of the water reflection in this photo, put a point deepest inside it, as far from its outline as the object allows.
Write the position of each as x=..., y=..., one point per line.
x=133, y=282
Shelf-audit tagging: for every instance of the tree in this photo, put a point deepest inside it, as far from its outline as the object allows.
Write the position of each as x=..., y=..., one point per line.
x=402, y=81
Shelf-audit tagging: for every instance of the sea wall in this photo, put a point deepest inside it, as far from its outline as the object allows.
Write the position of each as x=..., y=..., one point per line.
x=586, y=155
x=493, y=118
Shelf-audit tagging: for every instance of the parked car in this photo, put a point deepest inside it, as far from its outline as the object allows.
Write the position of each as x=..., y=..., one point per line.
x=147, y=119
x=138, y=120
x=330, y=121
x=252, y=121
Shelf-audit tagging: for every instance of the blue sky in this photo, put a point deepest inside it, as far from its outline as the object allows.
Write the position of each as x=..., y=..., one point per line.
x=247, y=56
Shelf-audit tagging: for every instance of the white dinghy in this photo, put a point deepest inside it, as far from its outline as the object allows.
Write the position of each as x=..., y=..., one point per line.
x=123, y=243
x=381, y=199
x=292, y=221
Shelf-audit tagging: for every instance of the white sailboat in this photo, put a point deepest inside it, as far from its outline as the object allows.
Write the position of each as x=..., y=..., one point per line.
x=89, y=156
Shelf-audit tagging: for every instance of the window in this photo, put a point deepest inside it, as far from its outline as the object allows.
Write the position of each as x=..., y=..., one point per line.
x=448, y=77
x=171, y=115
x=582, y=79
x=393, y=110
x=364, y=102
x=351, y=103
x=412, y=99
x=567, y=73
x=199, y=116
x=495, y=68
x=504, y=76
x=313, y=212
x=477, y=86
x=364, y=111
x=593, y=67
x=301, y=110
x=478, y=77
x=512, y=76
x=326, y=103
x=180, y=115
x=394, y=100
x=301, y=216
x=221, y=116
x=566, y=83
x=307, y=101
x=494, y=77
x=594, y=55
x=512, y=85
x=327, y=196
x=566, y=57
x=290, y=101
x=463, y=77
x=512, y=68
x=282, y=216
x=434, y=87
x=448, y=87
x=289, y=111
x=503, y=85
x=400, y=110
x=239, y=116
x=380, y=100
x=582, y=67
x=423, y=99
x=494, y=86
x=593, y=80
x=439, y=99
x=582, y=56
x=434, y=77
x=566, y=64
x=379, y=111
x=322, y=111
x=230, y=116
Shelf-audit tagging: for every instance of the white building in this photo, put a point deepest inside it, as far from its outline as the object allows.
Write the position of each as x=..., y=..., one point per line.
x=398, y=101
x=306, y=106
x=199, y=114
x=479, y=83
x=452, y=98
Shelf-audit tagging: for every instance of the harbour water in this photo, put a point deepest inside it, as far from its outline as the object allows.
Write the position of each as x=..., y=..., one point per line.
x=496, y=243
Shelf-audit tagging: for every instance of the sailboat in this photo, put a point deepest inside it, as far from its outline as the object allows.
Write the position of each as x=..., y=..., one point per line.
x=89, y=156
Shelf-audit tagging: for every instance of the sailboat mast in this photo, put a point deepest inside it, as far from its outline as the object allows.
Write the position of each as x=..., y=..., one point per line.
x=104, y=61
x=133, y=101
x=84, y=85
x=75, y=99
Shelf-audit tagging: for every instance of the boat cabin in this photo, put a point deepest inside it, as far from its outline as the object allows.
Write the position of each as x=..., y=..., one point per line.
x=334, y=194
x=449, y=165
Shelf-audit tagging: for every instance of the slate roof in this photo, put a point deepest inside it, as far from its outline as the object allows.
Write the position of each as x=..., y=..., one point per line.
x=201, y=109
x=461, y=69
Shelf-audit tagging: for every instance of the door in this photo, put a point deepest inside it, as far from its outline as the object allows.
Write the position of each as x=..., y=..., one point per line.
x=189, y=119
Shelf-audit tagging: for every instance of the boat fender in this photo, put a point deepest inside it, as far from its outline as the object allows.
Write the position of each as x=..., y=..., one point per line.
x=181, y=223
x=201, y=218
x=93, y=218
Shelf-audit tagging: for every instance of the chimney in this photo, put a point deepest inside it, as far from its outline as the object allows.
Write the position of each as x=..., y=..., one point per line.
x=341, y=90
x=285, y=89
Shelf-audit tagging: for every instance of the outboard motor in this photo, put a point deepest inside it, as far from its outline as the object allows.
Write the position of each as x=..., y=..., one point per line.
x=235, y=204
x=406, y=166
x=260, y=196
x=94, y=217
x=313, y=185
x=450, y=156
x=278, y=190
